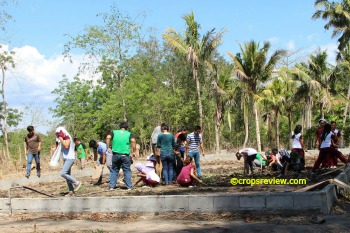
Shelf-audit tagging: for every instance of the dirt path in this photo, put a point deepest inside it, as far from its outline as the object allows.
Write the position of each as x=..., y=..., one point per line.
x=172, y=222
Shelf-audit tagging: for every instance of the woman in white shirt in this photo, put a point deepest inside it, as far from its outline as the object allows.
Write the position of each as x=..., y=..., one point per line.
x=326, y=147
x=298, y=143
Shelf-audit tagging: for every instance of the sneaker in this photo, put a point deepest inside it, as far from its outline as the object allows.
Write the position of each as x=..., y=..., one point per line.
x=38, y=174
x=77, y=186
x=70, y=194
x=27, y=175
x=112, y=189
x=145, y=186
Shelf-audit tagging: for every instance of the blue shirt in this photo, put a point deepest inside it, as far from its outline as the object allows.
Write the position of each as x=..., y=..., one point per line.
x=102, y=147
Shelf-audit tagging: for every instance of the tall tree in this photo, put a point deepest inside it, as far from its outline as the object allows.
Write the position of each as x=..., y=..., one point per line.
x=6, y=62
x=111, y=45
x=338, y=16
x=315, y=76
x=196, y=50
x=273, y=98
x=223, y=90
x=253, y=67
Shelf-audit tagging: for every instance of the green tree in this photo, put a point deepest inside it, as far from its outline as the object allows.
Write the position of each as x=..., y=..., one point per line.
x=111, y=46
x=273, y=98
x=223, y=91
x=6, y=62
x=338, y=16
x=253, y=67
x=196, y=50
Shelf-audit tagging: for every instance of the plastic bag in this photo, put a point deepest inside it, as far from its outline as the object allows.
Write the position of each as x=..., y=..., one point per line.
x=56, y=156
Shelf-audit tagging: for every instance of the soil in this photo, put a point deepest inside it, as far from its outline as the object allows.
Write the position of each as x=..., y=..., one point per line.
x=217, y=173
x=217, y=176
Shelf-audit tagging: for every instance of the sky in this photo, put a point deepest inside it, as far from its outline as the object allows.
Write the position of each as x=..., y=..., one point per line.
x=38, y=34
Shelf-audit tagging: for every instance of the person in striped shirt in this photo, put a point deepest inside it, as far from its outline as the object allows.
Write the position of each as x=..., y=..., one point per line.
x=194, y=143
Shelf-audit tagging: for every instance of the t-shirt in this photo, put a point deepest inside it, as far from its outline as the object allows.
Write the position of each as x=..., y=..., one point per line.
x=250, y=151
x=263, y=162
x=32, y=143
x=166, y=143
x=102, y=147
x=296, y=141
x=194, y=141
x=80, y=149
x=327, y=142
x=186, y=172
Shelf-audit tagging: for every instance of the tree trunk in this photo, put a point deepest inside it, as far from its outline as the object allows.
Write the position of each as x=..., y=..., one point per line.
x=268, y=127
x=246, y=122
x=345, y=114
x=308, y=113
x=217, y=136
x=4, y=127
x=289, y=125
x=200, y=108
x=277, y=130
x=258, y=141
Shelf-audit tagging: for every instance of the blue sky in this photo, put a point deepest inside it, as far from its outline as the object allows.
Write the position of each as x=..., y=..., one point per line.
x=37, y=35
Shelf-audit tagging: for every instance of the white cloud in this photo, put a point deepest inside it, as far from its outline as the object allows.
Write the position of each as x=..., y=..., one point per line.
x=33, y=79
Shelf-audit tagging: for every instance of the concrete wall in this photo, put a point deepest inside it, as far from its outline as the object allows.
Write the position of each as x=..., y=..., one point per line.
x=276, y=202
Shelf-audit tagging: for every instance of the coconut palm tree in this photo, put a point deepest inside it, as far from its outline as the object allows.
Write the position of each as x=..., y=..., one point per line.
x=253, y=67
x=222, y=86
x=338, y=16
x=315, y=76
x=197, y=50
x=273, y=98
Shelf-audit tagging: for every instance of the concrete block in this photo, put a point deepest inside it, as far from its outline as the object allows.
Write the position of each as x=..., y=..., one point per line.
x=309, y=200
x=152, y=203
x=201, y=203
x=228, y=203
x=130, y=204
x=331, y=197
x=176, y=203
x=252, y=202
x=4, y=208
x=279, y=202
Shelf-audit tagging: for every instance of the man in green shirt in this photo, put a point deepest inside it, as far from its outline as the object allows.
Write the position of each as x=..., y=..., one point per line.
x=81, y=152
x=121, y=140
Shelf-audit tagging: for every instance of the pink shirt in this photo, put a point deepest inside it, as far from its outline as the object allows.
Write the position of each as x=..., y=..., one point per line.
x=186, y=172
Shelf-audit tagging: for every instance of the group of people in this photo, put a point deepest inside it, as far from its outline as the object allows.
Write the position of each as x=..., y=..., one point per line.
x=168, y=157
x=173, y=155
x=280, y=159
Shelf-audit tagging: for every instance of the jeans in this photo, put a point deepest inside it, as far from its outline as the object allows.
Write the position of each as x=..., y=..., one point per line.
x=195, y=156
x=65, y=173
x=167, y=161
x=124, y=162
x=30, y=159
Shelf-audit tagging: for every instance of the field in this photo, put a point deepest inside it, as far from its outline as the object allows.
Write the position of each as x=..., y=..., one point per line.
x=217, y=172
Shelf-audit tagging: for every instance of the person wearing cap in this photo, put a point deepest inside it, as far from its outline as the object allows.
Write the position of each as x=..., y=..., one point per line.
x=147, y=173
x=248, y=154
x=100, y=148
x=121, y=140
